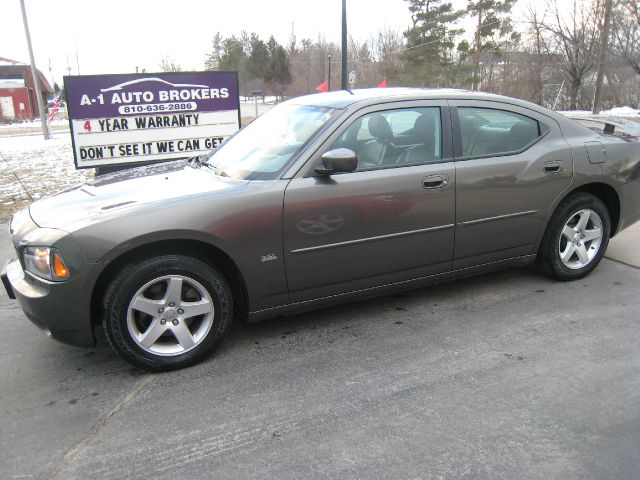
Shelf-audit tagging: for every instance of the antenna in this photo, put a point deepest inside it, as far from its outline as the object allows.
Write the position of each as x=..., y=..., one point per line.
x=77, y=61
x=17, y=177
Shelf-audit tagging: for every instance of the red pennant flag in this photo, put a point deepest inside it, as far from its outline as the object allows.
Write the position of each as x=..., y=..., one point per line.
x=323, y=87
x=383, y=83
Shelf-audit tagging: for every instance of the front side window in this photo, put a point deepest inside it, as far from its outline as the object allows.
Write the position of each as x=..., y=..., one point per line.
x=390, y=138
x=489, y=132
x=264, y=148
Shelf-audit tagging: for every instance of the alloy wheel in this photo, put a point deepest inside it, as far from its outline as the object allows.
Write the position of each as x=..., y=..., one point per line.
x=170, y=315
x=580, y=239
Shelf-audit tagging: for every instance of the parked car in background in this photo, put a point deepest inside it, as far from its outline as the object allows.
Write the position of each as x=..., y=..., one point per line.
x=323, y=199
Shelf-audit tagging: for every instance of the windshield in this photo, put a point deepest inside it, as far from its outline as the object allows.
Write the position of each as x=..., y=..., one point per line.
x=262, y=149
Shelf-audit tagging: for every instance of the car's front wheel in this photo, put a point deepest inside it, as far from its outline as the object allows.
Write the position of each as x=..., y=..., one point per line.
x=576, y=237
x=167, y=312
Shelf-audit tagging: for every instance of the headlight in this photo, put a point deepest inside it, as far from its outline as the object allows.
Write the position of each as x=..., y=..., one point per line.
x=46, y=263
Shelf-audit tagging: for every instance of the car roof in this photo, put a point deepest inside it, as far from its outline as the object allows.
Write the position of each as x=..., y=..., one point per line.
x=343, y=99
x=346, y=98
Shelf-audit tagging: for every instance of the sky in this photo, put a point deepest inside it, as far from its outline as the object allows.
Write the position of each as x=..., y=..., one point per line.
x=116, y=36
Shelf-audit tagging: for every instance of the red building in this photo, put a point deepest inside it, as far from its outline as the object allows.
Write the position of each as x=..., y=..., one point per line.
x=18, y=99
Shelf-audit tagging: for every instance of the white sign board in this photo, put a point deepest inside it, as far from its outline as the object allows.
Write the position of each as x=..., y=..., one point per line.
x=134, y=119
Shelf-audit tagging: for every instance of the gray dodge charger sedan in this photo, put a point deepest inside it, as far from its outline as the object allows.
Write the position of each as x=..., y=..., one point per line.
x=323, y=199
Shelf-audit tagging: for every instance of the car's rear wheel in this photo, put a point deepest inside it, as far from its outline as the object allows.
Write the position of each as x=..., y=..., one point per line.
x=167, y=312
x=576, y=237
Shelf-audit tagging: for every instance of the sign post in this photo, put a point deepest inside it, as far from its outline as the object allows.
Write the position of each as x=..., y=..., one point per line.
x=352, y=79
x=135, y=119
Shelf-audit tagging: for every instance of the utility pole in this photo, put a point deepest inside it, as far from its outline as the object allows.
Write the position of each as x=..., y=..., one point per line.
x=329, y=77
x=34, y=75
x=604, y=38
x=345, y=82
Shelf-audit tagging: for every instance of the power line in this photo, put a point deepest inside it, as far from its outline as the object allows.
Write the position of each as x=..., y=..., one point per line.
x=433, y=22
x=394, y=51
x=434, y=41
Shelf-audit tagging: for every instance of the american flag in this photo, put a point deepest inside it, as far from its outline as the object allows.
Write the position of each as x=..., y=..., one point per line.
x=57, y=100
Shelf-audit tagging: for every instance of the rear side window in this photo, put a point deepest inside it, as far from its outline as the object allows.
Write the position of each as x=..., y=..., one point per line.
x=491, y=132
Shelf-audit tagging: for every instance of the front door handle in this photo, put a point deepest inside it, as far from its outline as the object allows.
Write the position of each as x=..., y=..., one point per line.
x=435, y=181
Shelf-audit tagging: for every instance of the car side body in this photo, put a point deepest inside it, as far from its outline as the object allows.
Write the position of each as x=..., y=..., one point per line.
x=306, y=239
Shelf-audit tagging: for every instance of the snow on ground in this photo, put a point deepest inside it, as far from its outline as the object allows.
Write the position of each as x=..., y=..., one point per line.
x=267, y=99
x=33, y=125
x=44, y=167
x=614, y=112
x=622, y=112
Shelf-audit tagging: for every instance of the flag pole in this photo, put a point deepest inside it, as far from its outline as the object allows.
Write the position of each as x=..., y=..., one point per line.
x=34, y=74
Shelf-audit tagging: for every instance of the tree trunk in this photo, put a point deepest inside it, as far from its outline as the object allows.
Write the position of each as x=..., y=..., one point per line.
x=538, y=87
x=604, y=37
x=476, y=57
x=573, y=93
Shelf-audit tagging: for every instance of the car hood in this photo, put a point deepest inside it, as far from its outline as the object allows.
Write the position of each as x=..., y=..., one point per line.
x=115, y=193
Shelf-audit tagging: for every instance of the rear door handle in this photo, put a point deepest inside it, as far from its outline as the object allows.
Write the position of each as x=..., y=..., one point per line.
x=435, y=181
x=553, y=167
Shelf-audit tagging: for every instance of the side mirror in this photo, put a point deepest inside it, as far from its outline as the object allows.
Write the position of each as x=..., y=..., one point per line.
x=340, y=160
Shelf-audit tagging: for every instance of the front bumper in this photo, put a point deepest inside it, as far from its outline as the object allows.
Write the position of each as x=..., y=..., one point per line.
x=61, y=310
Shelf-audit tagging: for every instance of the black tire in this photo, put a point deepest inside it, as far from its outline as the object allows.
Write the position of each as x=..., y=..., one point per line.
x=552, y=242
x=193, y=278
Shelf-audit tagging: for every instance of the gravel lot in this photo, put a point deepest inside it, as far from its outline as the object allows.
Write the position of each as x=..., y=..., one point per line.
x=501, y=376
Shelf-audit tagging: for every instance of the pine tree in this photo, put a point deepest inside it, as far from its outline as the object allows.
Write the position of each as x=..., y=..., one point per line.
x=233, y=54
x=271, y=45
x=212, y=59
x=258, y=58
x=493, y=30
x=278, y=72
x=431, y=39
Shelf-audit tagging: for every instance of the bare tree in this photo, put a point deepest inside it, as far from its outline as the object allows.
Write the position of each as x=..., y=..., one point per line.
x=386, y=47
x=309, y=63
x=572, y=34
x=360, y=60
x=627, y=32
x=537, y=48
x=557, y=45
x=168, y=64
